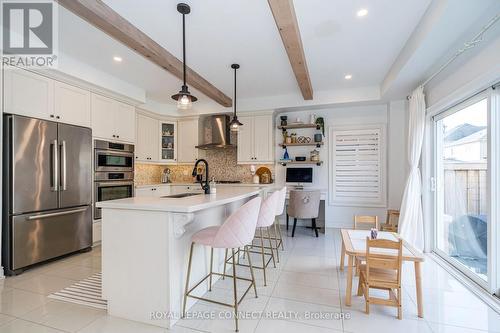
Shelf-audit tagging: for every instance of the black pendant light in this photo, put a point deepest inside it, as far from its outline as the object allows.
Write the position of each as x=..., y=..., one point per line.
x=184, y=98
x=235, y=124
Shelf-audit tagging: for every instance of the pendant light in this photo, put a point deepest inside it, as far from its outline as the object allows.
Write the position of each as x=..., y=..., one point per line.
x=235, y=124
x=184, y=98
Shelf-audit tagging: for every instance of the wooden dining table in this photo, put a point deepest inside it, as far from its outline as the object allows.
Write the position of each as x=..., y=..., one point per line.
x=354, y=245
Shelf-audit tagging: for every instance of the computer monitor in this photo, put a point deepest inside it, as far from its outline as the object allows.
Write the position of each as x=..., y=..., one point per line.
x=299, y=175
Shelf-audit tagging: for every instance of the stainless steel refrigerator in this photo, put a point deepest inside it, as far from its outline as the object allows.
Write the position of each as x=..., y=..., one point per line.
x=47, y=182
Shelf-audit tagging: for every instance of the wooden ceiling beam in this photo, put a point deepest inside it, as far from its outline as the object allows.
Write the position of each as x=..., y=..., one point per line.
x=103, y=17
x=286, y=21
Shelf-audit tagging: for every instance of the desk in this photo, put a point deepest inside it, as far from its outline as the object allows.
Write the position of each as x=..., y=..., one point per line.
x=354, y=245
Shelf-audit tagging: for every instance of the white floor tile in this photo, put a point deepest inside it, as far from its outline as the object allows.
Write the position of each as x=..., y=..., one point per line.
x=64, y=316
x=23, y=326
x=16, y=302
x=310, y=280
x=299, y=293
x=361, y=322
x=306, y=313
x=43, y=284
x=269, y=325
x=108, y=324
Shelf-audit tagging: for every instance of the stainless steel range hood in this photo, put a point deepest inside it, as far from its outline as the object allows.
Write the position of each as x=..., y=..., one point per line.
x=216, y=133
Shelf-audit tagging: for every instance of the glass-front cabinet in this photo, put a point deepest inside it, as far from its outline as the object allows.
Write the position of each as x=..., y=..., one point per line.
x=168, y=141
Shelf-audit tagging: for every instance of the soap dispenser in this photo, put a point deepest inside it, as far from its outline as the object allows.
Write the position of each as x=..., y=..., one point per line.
x=213, y=189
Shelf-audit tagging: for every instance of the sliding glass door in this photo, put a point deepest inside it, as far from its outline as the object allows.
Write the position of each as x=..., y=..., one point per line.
x=463, y=193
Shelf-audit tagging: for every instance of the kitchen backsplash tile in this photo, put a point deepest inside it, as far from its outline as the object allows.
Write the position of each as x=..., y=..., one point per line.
x=222, y=166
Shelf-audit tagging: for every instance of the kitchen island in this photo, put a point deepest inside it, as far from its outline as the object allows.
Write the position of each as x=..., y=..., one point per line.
x=145, y=245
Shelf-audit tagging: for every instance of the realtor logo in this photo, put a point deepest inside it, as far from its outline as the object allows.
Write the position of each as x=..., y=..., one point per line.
x=28, y=33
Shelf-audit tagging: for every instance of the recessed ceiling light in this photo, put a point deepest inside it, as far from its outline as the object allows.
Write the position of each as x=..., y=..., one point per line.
x=117, y=59
x=362, y=12
x=348, y=77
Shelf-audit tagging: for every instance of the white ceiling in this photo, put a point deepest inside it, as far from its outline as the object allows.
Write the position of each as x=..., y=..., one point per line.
x=221, y=32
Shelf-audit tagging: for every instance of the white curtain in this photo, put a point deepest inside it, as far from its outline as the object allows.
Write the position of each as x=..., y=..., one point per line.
x=411, y=224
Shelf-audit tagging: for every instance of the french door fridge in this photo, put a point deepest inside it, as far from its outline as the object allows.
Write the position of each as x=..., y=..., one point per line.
x=47, y=196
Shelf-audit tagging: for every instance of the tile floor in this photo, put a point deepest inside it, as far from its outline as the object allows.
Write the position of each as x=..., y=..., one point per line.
x=306, y=284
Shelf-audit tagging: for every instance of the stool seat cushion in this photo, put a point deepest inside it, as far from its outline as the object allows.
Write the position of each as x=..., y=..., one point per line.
x=206, y=236
x=267, y=211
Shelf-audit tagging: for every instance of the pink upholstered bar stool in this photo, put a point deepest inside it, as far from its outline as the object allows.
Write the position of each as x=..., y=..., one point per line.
x=280, y=209
x=265, y=221
x=237, y=231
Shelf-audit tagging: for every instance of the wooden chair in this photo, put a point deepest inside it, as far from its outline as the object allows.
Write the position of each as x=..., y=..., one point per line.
x=361, y=222
x=365, y=222
x=391, y=224
x=382, y=271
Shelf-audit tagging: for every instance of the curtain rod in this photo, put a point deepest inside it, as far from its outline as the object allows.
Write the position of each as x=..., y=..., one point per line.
x=478, y=38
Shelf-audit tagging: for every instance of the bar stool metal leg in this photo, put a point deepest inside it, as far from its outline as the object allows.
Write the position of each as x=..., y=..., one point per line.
x=263, y=257
x=225, y=261
x=211, y=266
x=235, y=293
x=251, y=271
x=278, y=226
x=187, y=280
x=270, y=245
x=277, y=243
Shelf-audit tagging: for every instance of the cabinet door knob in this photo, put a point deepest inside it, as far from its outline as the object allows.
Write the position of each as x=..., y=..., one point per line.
x=57, y=117
x=117, y=136
x=51, y=116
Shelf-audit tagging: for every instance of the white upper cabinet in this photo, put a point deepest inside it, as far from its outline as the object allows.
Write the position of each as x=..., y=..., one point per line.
x=112, y=120
x=255, y=140
x=263, y=139
x=28, y=94
x=103, y=117
x=245, y=140
x=147, y=147
x=187, y=140
x=72, y=104
x=125, y=120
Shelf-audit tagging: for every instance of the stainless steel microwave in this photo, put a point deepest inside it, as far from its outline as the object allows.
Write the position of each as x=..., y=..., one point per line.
x=111, y=156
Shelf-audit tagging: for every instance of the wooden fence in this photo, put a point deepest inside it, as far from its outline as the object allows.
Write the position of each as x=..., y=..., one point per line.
x=465, y=189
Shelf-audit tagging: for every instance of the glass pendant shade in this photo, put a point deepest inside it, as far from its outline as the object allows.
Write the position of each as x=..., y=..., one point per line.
x=235, y=124
x=184, y=99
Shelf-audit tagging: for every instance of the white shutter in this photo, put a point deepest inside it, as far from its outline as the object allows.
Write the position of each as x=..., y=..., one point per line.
x=357, y=164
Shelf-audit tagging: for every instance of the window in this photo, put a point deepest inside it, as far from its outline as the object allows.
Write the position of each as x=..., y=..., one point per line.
x=357, y=166
x=466, y=170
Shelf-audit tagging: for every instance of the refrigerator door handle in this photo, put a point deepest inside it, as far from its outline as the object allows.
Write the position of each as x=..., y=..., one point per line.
x=44, y=216
x=63, y=166
x=55, y=167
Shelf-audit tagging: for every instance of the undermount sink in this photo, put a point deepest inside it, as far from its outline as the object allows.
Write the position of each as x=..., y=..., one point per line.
x=181, y=195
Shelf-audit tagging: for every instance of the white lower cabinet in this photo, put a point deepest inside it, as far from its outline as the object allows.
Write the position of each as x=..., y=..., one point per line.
x=176, y=189
x=96, y=232
x=153, y=190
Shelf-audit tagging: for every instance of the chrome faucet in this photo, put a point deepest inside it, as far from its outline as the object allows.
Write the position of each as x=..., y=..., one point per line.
x=206, y=186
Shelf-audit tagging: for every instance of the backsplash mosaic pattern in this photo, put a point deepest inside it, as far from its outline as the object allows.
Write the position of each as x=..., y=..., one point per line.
x=221, y=162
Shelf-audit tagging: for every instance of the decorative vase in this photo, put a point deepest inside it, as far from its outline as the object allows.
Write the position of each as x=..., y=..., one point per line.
x=285, y=155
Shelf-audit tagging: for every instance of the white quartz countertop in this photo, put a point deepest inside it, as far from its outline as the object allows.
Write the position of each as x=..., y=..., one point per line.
x=183, y=205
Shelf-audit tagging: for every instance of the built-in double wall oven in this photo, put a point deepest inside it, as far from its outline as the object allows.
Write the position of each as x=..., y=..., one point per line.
x=113, y=172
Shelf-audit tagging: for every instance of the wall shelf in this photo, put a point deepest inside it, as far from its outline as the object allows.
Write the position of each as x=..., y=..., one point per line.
x=296, y=126
x=317, y=144
x=284, y=163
